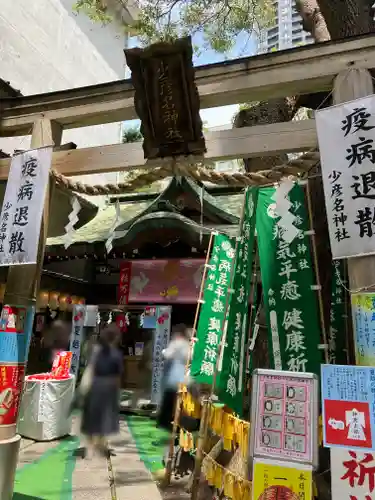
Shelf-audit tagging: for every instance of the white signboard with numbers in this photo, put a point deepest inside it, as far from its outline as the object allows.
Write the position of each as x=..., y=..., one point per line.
x=285, y=416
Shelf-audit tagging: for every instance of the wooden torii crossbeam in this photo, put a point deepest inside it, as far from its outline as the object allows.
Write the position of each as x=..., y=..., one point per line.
x=297, y=71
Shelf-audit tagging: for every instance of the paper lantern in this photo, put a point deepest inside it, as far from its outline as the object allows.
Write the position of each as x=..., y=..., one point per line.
x=69, y=303
x=2, y=292
x=54, y=300
x=82, y=301
x=42, y=300
x=63, y=305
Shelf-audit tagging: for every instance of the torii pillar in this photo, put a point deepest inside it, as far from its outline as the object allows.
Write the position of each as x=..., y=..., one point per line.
x=21, y=290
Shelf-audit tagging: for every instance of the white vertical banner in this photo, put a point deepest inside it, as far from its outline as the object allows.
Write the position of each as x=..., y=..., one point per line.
x=346, y=136
x=23, y=204
x=352, y=475
x=76, y=337
x=161, y=339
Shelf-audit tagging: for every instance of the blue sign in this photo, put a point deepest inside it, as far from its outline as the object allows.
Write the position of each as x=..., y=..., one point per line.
x=149, y=322
x=363, y=307
x=14, y=345
x=348, y=394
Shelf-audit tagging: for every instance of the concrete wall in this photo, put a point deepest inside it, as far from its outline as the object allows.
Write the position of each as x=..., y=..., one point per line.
x=45, y=46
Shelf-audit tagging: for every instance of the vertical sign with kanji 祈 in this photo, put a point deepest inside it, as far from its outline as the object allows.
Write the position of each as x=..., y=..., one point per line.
x=352, y=475
x=76, y=337
x=213, y=311
x=22, y=210
x=231, y=378
x=349, y=181
x=290, y=296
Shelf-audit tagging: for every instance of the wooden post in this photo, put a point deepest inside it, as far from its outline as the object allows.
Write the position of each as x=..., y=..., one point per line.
x=206, y=409
x=199, y=454
x=353, y=84
x=317, y=273
x=21, y=290
x=177, y=410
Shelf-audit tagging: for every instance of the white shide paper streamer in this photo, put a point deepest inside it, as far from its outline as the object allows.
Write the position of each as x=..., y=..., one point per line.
x=283, y=205
x=73, y=219
x=112, y=232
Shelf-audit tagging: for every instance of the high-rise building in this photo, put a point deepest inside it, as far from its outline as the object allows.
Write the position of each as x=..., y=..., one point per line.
x=45, y=46
x=286, y=31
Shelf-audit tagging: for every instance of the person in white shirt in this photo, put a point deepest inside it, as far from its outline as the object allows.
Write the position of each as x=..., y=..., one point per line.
x=176, y=357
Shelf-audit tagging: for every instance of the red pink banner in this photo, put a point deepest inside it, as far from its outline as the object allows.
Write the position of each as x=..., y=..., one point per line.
x=160, y=281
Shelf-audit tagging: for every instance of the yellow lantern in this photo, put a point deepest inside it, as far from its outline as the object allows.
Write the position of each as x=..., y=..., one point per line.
x=54, y=300
x=69, y=303
x=2, y=292
x=63, y=304
x=42, y=300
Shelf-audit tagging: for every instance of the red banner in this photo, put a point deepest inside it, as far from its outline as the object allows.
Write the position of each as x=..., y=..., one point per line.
x=11, y=382
x=124, y=286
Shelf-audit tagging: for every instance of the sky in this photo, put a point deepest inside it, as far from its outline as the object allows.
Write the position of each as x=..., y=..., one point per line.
x=215, y=116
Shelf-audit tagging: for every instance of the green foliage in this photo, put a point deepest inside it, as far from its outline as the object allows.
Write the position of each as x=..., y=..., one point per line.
x=219, y=21
x=132, y=134
x=94, y=9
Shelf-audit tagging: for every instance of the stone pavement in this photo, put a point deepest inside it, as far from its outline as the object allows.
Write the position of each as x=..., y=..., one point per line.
x=57, y=471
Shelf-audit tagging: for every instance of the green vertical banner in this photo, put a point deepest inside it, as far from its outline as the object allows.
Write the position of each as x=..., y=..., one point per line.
x=338, y=318
x=213, y=310
x=230, y=387
x=288, y=283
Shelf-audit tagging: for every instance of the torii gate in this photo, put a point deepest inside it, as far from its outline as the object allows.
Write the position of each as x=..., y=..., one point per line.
x=342, y=65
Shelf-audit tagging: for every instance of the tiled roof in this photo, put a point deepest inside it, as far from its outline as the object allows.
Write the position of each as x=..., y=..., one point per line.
x=99, y=228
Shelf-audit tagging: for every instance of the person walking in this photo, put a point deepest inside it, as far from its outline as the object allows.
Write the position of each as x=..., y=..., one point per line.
x=100, y=415
x=175, y=359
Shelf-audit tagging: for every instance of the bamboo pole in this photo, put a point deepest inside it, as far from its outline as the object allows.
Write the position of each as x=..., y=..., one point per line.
x=317, y=274
x=252, y=318
x=203, y=428
x=177, y=410
x=347, y=306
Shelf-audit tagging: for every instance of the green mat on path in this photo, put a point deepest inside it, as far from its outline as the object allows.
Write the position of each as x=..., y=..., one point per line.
x=151, y=442
x=49, y=477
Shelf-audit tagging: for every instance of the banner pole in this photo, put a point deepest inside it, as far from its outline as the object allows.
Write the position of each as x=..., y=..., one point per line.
x=203, y=428
x=253, y=314
x=347, y=315
x=317, y=274
x=177, y=410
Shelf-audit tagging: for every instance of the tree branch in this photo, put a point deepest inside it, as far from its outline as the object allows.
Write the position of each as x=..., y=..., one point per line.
x=313, y=20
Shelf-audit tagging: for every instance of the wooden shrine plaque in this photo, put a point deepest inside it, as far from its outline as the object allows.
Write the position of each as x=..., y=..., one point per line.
x=166, y=99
